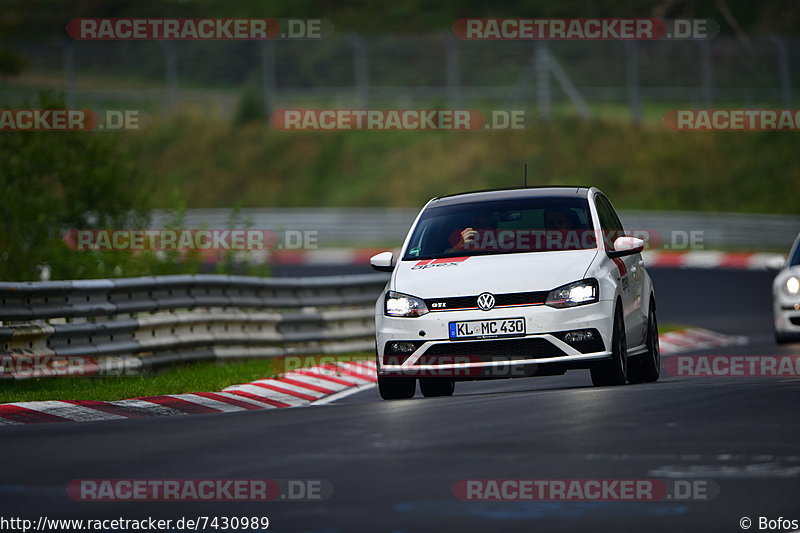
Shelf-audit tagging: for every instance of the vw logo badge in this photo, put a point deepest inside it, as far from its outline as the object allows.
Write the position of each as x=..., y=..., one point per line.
x=486, y=301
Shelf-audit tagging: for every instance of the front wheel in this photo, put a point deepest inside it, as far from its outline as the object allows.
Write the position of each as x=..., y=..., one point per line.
x=647, y=368
x=392, y=388
x=614, y=371
x=784, y=338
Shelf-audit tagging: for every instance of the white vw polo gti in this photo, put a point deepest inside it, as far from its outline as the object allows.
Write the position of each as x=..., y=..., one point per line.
x=786, y=298
x=511, y=283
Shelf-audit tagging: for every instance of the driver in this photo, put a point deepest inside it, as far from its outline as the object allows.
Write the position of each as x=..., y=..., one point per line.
x=477, y=222
x=557, y=219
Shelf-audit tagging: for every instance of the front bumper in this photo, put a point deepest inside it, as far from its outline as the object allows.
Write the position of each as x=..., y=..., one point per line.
x=541, y=351
x=786, y=312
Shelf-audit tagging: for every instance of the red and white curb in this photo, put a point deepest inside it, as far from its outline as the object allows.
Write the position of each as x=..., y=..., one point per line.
x=696, y=339
x=652, y=258
x=314, y=385
x=711, y=259
x=307, y=386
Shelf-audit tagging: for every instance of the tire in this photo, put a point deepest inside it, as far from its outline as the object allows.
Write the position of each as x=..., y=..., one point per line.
x=431, y=387
x=615, y=371
x=392, y=388
x=785, y=338
x=647, y=368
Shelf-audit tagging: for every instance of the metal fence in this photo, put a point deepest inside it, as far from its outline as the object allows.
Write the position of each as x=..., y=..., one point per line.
x=370, y=227
x=402, y=71
x=136, y=324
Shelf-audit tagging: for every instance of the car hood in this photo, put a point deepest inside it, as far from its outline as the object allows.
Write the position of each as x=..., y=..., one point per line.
x=503, y=273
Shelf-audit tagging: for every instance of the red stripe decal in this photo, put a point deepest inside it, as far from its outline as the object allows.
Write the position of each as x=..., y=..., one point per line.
x=450, y=260
x=620, y=265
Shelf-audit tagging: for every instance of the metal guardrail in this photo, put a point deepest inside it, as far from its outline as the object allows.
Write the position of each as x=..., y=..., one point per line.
x=388, y=226
x=147, y=322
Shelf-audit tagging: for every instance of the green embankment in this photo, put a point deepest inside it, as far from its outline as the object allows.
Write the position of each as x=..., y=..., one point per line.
x=215, y=164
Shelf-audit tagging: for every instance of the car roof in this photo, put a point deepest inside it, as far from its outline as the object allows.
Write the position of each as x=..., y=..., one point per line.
x=510, y=194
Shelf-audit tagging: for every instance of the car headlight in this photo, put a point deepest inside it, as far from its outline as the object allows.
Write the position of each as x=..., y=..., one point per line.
x=792, y=286
x=403, y=305
x=579, y=293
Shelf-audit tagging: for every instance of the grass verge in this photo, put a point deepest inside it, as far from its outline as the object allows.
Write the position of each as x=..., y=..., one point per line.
x=192, y=377
x=669, y=328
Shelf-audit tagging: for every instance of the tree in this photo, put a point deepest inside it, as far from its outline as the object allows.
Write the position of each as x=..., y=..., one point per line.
x=54, y=181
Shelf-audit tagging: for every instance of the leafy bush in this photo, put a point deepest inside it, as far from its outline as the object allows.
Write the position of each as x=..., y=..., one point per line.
x=52, y=182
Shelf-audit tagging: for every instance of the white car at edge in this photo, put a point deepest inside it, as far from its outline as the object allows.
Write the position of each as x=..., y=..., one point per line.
x=512, y=283
x=786, y=298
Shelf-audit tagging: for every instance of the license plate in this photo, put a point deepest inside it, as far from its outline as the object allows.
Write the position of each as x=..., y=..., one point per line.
x=487, y=329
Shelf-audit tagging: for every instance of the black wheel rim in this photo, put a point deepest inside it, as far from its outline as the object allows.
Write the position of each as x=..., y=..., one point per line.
x=654, y=347
x=622, y=347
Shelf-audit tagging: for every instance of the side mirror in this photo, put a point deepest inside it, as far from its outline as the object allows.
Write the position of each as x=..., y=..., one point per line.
x=626, y=246
x=383, y=262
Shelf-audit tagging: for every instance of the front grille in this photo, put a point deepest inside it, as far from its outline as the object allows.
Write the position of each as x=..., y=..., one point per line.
x=795, y=320
x=501, y=300
x=497, y=350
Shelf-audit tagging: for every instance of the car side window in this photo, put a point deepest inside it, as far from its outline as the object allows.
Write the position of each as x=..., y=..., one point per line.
x=609, y=221
x=617, y=222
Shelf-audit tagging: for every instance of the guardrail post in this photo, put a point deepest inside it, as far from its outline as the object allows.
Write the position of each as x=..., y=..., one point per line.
x=783, y=70
x=68, y=50
x=269, y=89
x=170, y=76
x=706, y=73
x=453, y=69
x=632, y=78
x=360, y=71
x=543, y=93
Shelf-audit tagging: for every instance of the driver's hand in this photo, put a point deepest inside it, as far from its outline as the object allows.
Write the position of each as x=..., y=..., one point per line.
x=468, y=235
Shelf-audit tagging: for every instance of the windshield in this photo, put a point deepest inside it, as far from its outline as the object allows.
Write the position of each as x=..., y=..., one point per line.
x=501, y=227
x=795, y=259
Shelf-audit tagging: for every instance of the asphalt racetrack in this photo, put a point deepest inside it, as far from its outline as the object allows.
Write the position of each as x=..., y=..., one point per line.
x=393, y=465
